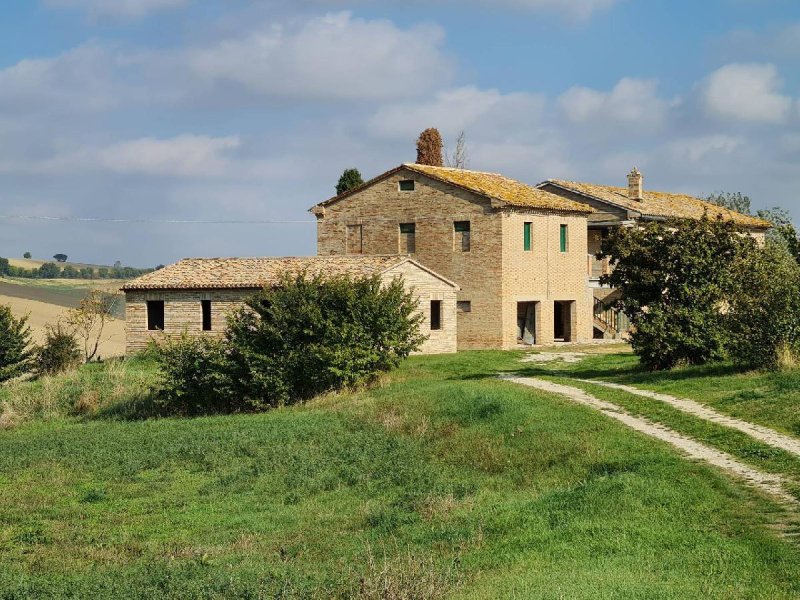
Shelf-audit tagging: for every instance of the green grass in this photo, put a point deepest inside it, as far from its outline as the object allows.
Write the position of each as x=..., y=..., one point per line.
x=440, y=482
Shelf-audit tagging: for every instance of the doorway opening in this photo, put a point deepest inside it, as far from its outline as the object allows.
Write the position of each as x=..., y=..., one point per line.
x=563, y=313
x=526, y=322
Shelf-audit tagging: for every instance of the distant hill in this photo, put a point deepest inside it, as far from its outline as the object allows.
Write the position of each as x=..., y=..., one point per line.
x=35, y=263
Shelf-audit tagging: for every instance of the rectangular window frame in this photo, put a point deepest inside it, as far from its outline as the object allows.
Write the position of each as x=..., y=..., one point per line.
x=156, y=319
x=462, y=236
x=408, y=238
x=436, y=315
x=526, y=236
x=205, y=308
x=564, y=238
x=407, y=185
x=353, y=245
x=464, y=306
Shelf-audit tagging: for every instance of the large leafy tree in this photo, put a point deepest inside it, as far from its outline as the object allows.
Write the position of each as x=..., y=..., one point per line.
x=429, y=148
x=675, y=280
x=763, y=315
x=351, y=178
x=15, y=345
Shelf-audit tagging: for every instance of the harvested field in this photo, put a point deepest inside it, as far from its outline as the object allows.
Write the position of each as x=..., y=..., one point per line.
x=41, y=314
x=66, y=295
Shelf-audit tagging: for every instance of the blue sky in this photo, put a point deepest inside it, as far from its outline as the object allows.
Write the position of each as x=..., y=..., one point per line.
x=249, y=110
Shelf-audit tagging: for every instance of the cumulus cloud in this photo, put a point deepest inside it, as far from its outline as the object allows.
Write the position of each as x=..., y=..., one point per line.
x=78, y=80
x=127, y=9
x=181, y=156
x=630, y=102
x=747, y=92
x=335, y=56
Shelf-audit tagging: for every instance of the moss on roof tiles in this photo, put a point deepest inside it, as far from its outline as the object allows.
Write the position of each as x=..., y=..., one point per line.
x=496, y=186
x=660, y=204
x=490, y=185
x=255, y=273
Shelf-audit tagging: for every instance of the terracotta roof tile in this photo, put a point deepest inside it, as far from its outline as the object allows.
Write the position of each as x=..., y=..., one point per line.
x=490, y=185
x=659, y=204
x=255, y=273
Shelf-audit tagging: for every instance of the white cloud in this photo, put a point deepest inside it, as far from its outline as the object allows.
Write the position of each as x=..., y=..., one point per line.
x=126, y=9
x=77, y=80
x=335, y=56
x=630, y=102
x=747, y=92
x=462, y=109
x=181, y=156
x=696, y=149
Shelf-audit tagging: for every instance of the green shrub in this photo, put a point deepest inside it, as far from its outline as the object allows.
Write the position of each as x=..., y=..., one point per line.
x=675, y=279
x=301, y=338
x=194, y=377
x=59, y=353
x=764, y=314
x=310, y=335
x=15, y=352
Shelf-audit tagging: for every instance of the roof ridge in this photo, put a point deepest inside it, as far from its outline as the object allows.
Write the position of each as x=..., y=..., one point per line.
x=415, y=165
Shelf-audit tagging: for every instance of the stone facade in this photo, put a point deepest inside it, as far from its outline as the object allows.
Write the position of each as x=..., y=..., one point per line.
x=494, y=271
x=183, y=313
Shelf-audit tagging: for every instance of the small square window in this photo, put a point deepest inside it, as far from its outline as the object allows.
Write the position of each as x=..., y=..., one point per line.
x=407, y=185
x=408, y=228
x=461, y=226
x=155, y=315
x=464, y=306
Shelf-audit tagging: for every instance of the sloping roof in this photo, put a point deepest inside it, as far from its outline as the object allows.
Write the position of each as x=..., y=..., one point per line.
x=255, y=273
x=490, y=185
x=658, y=204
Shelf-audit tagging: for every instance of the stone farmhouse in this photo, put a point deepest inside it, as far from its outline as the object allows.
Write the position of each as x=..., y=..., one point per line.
x=493, y=262
x=194, y=296
x=523, y=256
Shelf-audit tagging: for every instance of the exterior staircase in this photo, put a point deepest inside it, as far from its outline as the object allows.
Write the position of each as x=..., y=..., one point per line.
x=611, y=322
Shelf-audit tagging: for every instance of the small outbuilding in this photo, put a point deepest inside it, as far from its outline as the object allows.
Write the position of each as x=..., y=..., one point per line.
x=195, y=295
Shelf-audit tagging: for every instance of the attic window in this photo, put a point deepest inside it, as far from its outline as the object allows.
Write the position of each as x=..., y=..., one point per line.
x=407, y=185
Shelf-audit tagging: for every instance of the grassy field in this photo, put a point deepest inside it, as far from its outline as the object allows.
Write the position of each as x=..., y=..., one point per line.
x=441, y=482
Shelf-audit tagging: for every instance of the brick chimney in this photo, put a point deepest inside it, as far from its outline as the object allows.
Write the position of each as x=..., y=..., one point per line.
x=635, y=185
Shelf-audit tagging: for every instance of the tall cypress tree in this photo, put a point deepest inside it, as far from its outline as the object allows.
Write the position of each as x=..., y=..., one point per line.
x=429, y=148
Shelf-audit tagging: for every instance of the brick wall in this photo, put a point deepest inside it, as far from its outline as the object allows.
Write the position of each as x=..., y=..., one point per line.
x=427, y=287
x=183, y=312
x=494, y=274
x=546, y=275
x=433, y=207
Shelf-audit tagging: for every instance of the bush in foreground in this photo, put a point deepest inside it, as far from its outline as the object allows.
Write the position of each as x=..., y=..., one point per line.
x=303, y=337
x=59, y=353
x=15, y=341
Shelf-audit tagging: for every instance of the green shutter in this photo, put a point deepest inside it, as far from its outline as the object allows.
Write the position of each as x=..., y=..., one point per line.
x=563, y=238
x=527, y=237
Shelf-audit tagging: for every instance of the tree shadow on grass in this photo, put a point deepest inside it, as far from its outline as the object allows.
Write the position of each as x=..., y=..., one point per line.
x=141, y=406
x=635, y=373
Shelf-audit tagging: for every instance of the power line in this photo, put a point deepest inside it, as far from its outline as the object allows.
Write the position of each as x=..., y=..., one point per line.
x=156, y=221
